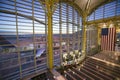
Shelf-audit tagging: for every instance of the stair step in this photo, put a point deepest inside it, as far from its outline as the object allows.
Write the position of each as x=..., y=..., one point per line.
x=82, y=74
x=104, y=67
x=100, y=71
x=97, y=73
x=90, y=74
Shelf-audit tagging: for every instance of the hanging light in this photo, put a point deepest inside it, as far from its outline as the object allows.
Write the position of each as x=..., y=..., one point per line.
x=104, y=25
x=111, y=25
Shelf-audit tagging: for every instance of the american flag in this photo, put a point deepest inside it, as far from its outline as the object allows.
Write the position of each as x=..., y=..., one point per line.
x=108, y=39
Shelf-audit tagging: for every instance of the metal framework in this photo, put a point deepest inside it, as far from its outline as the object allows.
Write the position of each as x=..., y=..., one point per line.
x=17, y=41
x=105, y=15
x=27, y=20
x=71, y=3
x=20, y=24
x=60, y=30
x=35, y=24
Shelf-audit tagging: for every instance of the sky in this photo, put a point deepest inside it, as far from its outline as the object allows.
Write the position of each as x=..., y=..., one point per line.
x=25, y=25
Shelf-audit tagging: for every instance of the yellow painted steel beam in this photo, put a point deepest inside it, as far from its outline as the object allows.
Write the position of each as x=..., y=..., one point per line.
x=114, y=18
x=73, y=4
x=84, y=35
x=98, y=35
x=84, y=40
x=50, y=41
x=103, y=3
x=49, y=6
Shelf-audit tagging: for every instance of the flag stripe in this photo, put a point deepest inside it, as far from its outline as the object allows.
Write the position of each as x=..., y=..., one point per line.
x=113, y=42
x=101, y=42
x=108, y=39
x=106, y=42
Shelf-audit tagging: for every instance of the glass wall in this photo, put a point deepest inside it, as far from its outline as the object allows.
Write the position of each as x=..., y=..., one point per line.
x=23, y=37
x=67, y=31
x=105, y=16
x=91, y=38
x=106, y=11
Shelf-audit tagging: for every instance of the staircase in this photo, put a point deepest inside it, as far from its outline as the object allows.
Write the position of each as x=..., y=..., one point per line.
x=93, y=69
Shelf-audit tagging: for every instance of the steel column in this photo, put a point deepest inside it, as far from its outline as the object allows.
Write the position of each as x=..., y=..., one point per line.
x=60, y=30
x=50, y=33
x=84, y=35
x=50, y=40
x=34, y=52
x=17, y=41
x=98, y=35
x=67, y=30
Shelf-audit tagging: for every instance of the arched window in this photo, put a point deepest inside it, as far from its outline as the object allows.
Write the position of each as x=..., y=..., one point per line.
x=108, y=10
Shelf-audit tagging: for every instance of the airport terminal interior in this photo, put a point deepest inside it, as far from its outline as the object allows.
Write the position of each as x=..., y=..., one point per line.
x=59, y=39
